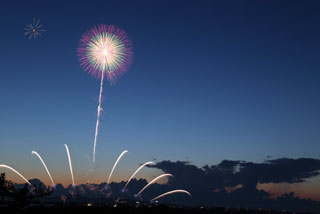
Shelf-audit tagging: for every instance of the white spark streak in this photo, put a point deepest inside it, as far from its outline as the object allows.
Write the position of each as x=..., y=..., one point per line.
x=115, y=164
x=70, y=164
x=171, y=192
x=143, y=165
x=151, y=182
x=45, y=166
x=8, y=167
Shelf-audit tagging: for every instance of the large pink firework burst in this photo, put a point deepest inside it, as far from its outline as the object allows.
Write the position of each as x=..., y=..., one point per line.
x=105, y=50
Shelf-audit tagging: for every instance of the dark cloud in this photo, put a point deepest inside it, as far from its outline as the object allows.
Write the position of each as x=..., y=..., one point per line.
x=280, y=170
x=229, y=183
x=233, y=183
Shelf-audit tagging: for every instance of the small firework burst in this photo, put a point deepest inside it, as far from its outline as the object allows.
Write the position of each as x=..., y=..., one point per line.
x=34, y=29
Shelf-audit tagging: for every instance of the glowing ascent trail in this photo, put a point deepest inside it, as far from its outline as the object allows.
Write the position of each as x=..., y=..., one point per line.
x=143, y=165
x=171, y=192
x=9, y=167
x=70, y=164
x=98, y=118
x=151, y=182
x=36, y=153
x=115, y=164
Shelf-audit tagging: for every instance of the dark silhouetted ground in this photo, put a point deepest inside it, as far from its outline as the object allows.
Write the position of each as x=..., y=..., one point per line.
x=130, y=209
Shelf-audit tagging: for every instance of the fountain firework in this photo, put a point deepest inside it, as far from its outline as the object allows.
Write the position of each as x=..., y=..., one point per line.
x=9, y=167
x=45, y=166
x=104, y=50
x=70, y=164
x=151, y=182
x=113, y=168
x=143, y=165
x=171, y=192
x=115, y=164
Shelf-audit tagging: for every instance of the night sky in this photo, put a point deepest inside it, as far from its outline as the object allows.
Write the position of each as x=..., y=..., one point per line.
x=210, y=80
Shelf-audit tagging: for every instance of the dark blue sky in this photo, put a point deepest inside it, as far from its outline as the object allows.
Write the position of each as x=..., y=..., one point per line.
x=210, y=80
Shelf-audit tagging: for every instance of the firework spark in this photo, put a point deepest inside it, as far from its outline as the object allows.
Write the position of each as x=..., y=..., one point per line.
x=104, y=50
x=115, y=164
x=45, y=166
x=171, y=192
x=9, y=167
x=70, y=164
x=151, y=182
x=143, y=165
x=34, y=29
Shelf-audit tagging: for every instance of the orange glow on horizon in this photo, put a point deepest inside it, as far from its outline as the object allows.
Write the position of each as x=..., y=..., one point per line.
x=305, y=190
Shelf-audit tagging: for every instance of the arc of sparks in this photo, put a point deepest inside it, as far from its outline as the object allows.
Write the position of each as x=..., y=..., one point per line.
x=115, y=164
x=171, y=192
x=70, y=164
x=151, y=182
x=45, y=166
x=143, y=165
x=9, y=167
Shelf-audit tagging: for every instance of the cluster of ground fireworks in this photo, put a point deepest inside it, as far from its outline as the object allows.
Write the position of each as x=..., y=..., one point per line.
x=104, y=51
x=138, y=195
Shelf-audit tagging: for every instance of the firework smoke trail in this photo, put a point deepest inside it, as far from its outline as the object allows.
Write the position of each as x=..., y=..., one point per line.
x=115, y=164
x=151, y=182
x=8, y=167
x=143, y=165
x=171, y=192
x=98, y=118
x=70, y=164
x=104, y=50
x=45, y=166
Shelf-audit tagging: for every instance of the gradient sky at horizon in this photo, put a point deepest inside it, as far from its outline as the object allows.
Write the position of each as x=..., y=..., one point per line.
x=210, y=80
